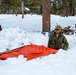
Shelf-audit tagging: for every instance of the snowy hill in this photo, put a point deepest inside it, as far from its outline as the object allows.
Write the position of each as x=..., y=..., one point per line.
x=18, y=32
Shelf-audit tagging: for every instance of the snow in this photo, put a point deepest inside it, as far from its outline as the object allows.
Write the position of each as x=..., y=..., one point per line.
x=18, y=32
x=27, y=9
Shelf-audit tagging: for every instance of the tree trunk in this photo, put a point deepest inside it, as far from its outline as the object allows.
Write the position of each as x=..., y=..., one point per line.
x=65, y=8
x=22, y=9
x=16, y=11
x=46, y=15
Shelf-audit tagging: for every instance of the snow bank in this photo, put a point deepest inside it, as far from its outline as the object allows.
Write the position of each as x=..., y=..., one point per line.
x=16, y=33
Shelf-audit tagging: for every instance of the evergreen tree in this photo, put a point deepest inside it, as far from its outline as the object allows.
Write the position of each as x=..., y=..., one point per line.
x=61, y=7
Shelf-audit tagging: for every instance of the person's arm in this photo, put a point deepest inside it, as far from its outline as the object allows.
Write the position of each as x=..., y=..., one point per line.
x=50, y=41
x=65, y=43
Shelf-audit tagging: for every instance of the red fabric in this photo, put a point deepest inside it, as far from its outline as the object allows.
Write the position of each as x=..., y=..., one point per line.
x=28, y=51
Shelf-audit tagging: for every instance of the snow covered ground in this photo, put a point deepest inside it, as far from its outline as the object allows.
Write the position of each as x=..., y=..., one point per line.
x=18, y=32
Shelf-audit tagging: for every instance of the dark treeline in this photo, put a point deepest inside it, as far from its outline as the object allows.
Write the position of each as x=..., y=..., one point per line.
x=63, y=7
x=59, y=7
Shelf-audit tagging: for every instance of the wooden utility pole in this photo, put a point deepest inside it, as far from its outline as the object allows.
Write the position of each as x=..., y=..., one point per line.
x=22, y=9
x=46, y=15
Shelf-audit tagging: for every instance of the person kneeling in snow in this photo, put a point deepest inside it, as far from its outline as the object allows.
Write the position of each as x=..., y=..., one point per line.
x=57, y=40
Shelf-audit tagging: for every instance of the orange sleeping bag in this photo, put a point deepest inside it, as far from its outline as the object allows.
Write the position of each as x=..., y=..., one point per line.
x=28, y=51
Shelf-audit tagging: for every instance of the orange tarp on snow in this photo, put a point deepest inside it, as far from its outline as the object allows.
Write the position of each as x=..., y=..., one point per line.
x=28, y=51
